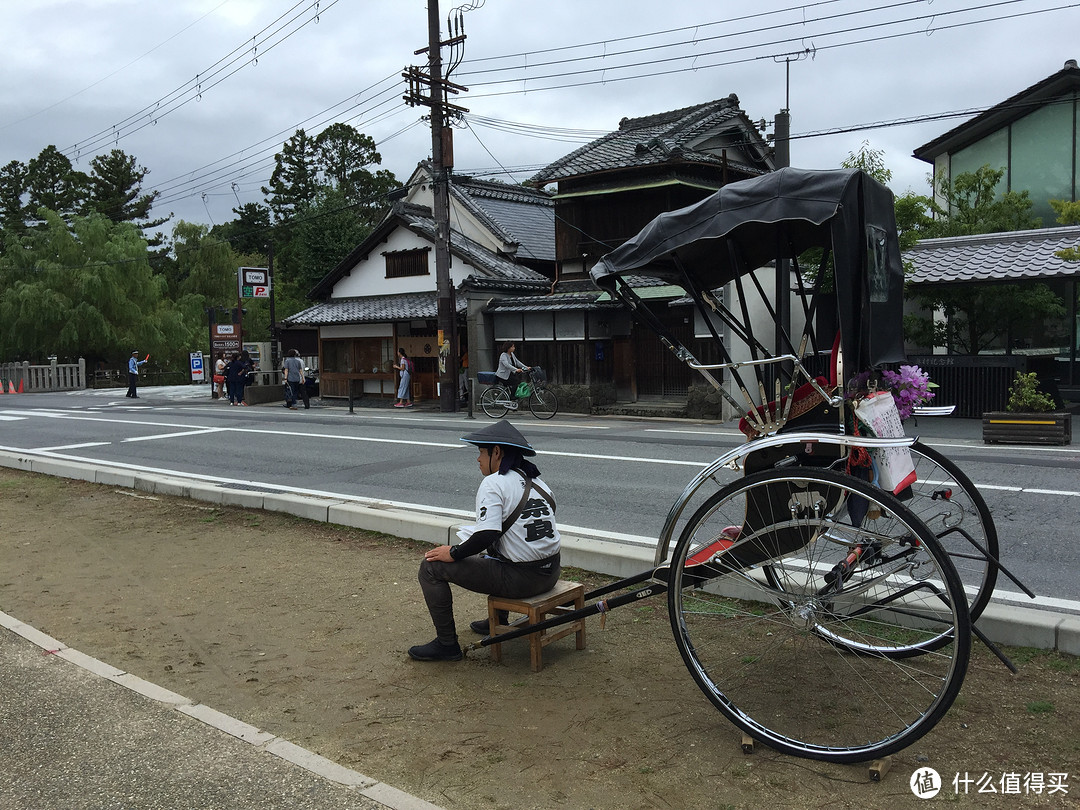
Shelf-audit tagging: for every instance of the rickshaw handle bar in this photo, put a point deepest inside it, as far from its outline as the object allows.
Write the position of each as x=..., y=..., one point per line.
x=834, y=400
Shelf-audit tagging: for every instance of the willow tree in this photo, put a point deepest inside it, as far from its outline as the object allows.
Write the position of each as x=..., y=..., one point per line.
x=85, y=288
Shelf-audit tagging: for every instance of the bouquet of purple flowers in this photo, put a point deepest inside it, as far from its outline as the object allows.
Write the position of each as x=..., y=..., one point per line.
x=910, y=386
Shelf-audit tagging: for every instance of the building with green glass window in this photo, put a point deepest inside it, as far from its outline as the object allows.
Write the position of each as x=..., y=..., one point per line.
x=1034, y=136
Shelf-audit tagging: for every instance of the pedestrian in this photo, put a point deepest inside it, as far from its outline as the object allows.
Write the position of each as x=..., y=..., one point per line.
x=293, y=370
x=508, y=369
x=239, y=368
x=515, y=525
x=404, y=394
x=219, y=376
x=133, y=373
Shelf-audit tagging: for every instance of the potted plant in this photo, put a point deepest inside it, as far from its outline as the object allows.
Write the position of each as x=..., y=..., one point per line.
x=1030, y=417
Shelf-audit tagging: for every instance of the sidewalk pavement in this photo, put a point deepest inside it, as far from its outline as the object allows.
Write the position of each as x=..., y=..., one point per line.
x=79, y=733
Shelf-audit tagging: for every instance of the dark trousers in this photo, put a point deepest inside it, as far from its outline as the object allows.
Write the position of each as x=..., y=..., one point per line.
x=297, y=390
x=481, y=574
x=133, y=382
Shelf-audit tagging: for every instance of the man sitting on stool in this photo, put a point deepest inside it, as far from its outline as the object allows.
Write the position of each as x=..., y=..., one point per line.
x=515, y=525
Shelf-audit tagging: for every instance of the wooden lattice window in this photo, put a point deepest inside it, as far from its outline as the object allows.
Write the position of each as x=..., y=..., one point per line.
x=402, y=263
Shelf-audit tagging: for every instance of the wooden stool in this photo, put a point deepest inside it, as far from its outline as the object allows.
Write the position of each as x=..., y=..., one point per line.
x=564, y=598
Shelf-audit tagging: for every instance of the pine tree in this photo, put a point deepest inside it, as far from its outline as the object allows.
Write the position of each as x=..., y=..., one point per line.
x=53, y=183
x=295, y=179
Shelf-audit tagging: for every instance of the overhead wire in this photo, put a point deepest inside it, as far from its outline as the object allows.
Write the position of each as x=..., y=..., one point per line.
x=698, y=40
x=605, y=69
x=108, y=76
x=567, y=134
x=193, y=88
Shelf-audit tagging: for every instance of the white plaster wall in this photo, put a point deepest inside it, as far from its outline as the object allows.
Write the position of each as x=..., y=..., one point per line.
x=460, y=220
x=369, y=276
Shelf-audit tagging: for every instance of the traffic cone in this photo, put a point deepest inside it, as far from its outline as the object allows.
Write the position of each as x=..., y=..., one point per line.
x=20, y=386
x=2, y=389
x=11, y=386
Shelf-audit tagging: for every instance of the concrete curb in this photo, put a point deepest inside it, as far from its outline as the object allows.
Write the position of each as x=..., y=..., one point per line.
x=601, y=552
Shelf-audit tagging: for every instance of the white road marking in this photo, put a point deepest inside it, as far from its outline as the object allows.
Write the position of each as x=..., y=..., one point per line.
x=70, y=446
x=198, y=432
x=291, y=433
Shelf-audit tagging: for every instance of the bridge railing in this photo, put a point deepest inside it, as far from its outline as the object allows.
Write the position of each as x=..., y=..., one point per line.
x=52, y=377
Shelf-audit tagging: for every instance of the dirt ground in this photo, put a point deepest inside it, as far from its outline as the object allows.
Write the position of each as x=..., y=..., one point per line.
x=301, y=629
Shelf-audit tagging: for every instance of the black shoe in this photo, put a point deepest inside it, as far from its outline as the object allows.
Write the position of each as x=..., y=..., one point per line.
x=482, y=627
x=436, y=651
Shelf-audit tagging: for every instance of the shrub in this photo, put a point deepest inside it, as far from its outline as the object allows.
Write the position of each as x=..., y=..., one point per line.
x=1025, y=396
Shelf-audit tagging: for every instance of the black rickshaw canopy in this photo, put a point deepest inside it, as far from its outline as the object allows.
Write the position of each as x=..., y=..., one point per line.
x=780, y=215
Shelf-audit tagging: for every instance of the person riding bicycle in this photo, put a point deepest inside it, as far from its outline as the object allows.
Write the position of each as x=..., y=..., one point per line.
x=507, y=372
x=515, y=526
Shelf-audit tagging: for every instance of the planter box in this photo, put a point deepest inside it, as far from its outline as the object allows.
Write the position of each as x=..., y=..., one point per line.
x=1002, y=427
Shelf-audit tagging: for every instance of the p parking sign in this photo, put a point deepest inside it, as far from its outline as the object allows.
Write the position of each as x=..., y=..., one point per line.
x=253, y=282
x=198, y=373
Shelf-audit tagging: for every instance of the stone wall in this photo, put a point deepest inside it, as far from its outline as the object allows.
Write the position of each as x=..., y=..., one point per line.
x=704, y=402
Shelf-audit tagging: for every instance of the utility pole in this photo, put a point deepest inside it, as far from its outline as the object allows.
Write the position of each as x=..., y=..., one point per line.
x=442, y=161
x=782, y=159
x=274, y=353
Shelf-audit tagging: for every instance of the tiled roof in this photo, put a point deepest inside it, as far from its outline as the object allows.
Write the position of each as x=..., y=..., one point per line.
x=1008, y=256
x=559, y=302
x=373, y=309
x=655, y=139
x=522, y=215
x=582, y=294
x=486, y=262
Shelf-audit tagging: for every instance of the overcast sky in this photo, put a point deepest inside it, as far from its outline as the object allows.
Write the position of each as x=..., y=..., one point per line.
x=204, y=92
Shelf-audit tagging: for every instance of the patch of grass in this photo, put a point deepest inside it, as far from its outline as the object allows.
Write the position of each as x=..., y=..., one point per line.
x=1062, y=662
x=1024, y=655
x=1040, y=707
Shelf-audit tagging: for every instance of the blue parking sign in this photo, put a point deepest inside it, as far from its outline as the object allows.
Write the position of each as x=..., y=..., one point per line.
x=197, y=374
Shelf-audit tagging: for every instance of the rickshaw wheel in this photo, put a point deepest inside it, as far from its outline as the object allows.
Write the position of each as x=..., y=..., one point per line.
x=805, y=657
x=958, y=521
x=489, y=401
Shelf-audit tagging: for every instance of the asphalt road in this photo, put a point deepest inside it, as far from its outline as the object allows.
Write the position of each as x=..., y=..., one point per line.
x=609, y=474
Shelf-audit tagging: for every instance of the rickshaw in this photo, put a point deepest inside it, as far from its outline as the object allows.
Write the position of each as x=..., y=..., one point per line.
x=822, y=614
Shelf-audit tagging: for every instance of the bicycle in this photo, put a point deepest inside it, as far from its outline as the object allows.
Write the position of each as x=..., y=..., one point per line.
x=498, y=399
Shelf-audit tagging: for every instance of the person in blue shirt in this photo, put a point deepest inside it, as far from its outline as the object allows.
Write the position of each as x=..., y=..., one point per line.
x=133, y=374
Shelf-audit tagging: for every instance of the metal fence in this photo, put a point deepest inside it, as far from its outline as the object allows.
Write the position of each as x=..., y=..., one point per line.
x=973, y=383
x=53, y=377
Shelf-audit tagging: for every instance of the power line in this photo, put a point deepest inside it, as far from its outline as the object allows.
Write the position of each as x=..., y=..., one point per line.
x=568, y=134
x=192, y=89
x=118, y=70
x=773, y=43
x=697, y=27
x=698, y=40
